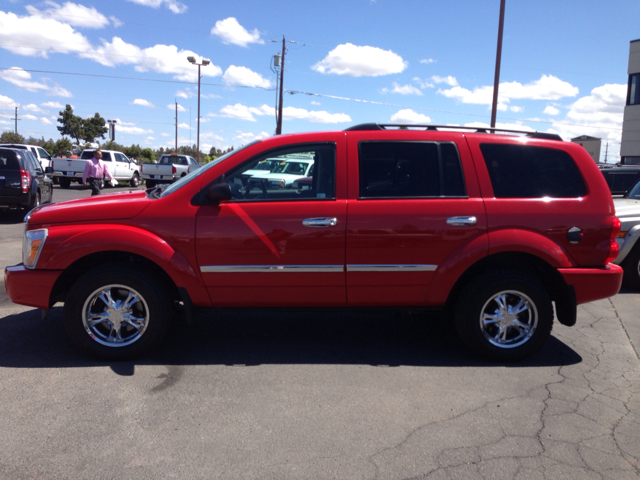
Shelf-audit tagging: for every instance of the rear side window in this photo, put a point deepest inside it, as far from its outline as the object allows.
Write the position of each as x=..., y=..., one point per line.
x=410, y=170
x=522, y=171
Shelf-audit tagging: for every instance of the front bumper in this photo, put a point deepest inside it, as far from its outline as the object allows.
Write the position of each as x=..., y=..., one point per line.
x=30, y=287
x=592, y=284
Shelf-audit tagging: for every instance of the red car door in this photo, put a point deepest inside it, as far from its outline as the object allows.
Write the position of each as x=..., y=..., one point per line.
x=275, y=246
x=414, y=204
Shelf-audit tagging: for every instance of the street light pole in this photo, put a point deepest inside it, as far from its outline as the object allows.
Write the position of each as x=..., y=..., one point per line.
x=204, y=62
x=496, y=80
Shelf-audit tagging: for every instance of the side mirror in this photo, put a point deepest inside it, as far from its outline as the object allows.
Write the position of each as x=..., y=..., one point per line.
x=218, y=193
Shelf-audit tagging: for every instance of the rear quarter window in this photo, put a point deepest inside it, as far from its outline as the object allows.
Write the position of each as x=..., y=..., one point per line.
x=523, y=171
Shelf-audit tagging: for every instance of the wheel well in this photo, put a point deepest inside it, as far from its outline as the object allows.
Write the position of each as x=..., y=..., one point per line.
x=548, y=277
x=84, y=264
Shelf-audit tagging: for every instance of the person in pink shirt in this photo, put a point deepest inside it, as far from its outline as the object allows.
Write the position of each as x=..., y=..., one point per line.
x=94, y=171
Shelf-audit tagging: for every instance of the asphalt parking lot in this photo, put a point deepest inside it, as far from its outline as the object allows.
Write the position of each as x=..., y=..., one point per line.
x=316, y=395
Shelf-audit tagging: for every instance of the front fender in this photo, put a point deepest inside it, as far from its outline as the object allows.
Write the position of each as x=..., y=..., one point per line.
x=68, y=244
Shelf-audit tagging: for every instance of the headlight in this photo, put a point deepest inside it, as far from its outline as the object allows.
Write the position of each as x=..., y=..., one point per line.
x=32, y=246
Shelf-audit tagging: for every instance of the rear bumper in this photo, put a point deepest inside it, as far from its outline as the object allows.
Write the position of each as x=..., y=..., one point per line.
x=30, y=287
x=20, y=200
x=593, y=283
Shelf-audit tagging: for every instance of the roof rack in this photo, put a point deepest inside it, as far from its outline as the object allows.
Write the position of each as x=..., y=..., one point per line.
x=385, y=126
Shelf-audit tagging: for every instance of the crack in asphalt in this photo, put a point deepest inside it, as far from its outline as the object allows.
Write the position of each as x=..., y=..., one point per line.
x=585, y=418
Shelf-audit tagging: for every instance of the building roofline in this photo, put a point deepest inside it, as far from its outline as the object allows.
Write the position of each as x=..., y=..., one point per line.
x=634, y=41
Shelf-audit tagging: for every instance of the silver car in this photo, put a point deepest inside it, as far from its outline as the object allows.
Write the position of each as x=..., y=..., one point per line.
x=628, y=211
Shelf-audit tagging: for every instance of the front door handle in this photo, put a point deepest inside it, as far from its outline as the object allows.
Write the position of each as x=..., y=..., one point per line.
x=320, y=222
x=461, y=221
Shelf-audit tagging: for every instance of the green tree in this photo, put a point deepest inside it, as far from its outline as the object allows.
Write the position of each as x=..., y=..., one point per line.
x=48, y=145
x=11, y=137
x=62, y=147
x=93, y=127
x=114, y=146
x=71, y=125
x=147, y=154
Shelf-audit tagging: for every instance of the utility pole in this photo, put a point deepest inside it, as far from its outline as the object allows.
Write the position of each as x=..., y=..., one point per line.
x=176, y=126
x=496, y=81
x=606, y=152
x=279, y=125
x=16, y=119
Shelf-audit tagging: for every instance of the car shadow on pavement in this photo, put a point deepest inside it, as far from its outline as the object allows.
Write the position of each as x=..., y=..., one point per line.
x=11, y=217
x=251, y=338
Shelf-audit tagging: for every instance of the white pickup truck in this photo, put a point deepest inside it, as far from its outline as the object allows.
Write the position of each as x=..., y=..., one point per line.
x=120, y=167
x=283, y=174
x=168, y=169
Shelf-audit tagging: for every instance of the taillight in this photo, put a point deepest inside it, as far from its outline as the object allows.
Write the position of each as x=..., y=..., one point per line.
x=141, y=167
x=25, y=181
x=173, y=169
x=614, y=250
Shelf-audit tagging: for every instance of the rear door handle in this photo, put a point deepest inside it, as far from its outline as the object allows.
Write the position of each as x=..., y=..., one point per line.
x=461, y=221
x=320, y=222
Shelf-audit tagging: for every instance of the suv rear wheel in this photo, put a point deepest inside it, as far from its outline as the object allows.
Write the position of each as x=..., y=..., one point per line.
x=117, y=312
x=504, y=315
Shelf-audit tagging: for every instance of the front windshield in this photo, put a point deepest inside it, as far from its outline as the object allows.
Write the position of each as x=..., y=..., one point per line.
x=634, y=193
x=196, y=173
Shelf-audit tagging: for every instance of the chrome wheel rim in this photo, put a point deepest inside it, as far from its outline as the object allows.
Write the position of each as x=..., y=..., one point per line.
x=115, y=315
x=508, y=319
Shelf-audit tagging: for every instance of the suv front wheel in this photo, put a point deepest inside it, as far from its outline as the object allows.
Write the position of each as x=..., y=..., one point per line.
x=504, y=315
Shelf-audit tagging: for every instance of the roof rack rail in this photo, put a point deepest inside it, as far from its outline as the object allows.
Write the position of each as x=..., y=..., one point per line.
x=385, y=126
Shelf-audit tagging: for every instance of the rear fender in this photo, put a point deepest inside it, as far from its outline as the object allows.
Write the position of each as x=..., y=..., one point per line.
x=526, y=241
x=66, y=245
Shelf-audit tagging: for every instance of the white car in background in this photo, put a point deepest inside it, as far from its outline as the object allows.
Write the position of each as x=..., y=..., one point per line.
x=283, y=174
x=628, y=211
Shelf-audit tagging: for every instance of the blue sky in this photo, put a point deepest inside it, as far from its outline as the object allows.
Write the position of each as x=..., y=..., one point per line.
x=564, y=65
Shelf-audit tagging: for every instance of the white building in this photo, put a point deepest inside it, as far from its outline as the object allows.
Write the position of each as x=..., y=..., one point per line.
x=591, y=144
x=630, y=148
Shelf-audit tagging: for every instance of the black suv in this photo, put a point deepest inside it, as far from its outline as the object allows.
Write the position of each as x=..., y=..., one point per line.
x=23, y=183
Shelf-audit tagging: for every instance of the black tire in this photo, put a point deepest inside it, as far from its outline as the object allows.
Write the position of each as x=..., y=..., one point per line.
x=631, y=267
x=65, y=182
x=152, y=311
x=135, y=180
x=150, y=183
x=506, y=335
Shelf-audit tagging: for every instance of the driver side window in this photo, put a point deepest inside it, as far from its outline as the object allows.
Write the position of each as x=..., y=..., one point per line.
x=300, y=172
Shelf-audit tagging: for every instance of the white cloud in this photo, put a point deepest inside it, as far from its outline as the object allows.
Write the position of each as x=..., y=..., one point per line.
x=245, y=77
x=403, y=89
x=22, y=79
x=230, y=31
x=423, y=84
x=7, y=103
x=71, y=14
x=120, y=122
x=449, y=80
x=150, y=138
x=173, y=5
x=427, y=60
x=551, y=110
x=408, y=116
x=516, y=109
x=356, y=61
x=313, y=116
x=599, y=114
x=45, y=121
x=243, y=112
x=115, y=22
x=165, y=134
x=32, y=107
x=184, y=126
x=159, y=58
x=186, y=93
x=132, y=130
x=246, y=137
x=52, y=105
x=143, y=103
x=37, y=36
x=28, y=116
x=313, y=102
x=172, y=106
x=211, y=136
x=547, y=87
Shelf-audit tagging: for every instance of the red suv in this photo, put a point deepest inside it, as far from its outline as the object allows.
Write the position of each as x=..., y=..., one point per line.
x=493, y=228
